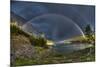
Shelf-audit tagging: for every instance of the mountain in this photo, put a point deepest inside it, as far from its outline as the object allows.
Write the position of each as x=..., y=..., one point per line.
x=20, y=20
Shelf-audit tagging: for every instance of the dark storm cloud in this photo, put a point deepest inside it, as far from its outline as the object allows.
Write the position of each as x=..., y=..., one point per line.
x=57, y=21
x=82, y=15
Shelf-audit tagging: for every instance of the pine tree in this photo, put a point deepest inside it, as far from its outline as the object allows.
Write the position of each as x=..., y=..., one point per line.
x=88, y=33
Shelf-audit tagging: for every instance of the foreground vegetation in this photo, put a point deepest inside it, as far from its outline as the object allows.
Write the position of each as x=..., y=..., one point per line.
x=37, y=41
x=89, y=37
x=41, y=53
x=22, y=44
x=55, y=58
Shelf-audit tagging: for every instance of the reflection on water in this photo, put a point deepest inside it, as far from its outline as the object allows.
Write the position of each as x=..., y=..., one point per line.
x=67, y=48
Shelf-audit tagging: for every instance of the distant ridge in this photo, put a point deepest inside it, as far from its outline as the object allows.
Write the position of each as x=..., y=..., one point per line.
x=20, y=20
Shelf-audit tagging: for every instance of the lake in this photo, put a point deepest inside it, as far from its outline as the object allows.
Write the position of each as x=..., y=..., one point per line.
x=68, y=48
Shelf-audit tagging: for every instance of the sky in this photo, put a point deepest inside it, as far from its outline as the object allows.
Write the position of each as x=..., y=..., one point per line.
x=80, y=15
x=85, y=14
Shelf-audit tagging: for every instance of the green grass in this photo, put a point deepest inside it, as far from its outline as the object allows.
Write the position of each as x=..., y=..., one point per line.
x=81, y=39
x=77, y=56
x=37, y=41
x=23, y=62
x=16, y=31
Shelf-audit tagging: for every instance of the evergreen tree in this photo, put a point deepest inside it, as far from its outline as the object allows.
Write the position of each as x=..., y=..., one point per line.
x=88, y=33
x=88, y=30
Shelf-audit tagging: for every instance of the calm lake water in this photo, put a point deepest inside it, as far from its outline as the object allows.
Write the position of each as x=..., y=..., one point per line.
x=68, y=48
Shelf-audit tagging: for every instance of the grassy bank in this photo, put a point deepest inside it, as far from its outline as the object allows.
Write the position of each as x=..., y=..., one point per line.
x=53, y=58
x=37, y=41
x=26, y=43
